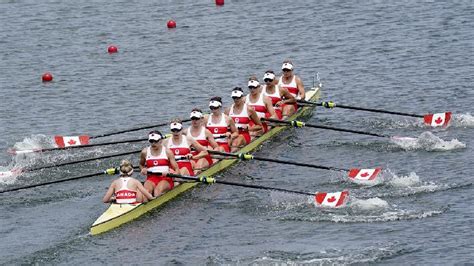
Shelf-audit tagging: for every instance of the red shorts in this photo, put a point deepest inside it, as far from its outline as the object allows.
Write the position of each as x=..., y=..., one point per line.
x=264, y=124
x=188, y=166
x=208, y=158
x=279, y=113
x=246, y=135
x=225, y=145
x=155, y=179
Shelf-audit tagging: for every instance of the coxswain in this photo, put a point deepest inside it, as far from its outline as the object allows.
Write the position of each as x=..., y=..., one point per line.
x=155, y=162
x=279, y=95
x=126, y=189
x=221, y=126
x=243, y=116
x=293, y=84
x=203, y=136
x=260, y=103
x=180, y=145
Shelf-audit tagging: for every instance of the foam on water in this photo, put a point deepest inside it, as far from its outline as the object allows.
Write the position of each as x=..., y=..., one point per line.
x=369, y=204
x=462, y=120
x=37, y=141
x=429, y=142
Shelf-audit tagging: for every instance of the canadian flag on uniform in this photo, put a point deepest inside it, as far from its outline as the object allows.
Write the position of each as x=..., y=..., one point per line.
x=64, y=142
x=332, y=200
x=364, y=174
x=438, y=120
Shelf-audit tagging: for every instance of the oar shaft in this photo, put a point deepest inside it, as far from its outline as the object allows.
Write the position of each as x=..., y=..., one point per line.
x=133, y=129
x=197, y=179
x=92, y=145
x=85, y=160
x=279, y=161
x=301, y=124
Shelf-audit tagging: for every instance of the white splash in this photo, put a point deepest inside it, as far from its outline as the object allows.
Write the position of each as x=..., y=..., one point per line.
x=429, y=142
x=369, y=204
x=34, y=142
x=462, y=120
x=410, y=180
x=8, y=176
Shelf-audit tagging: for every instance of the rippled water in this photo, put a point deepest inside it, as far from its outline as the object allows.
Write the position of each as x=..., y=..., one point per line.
x=404, y=56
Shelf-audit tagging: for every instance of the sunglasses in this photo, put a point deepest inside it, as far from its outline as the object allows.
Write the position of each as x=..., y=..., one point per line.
x=195, y=118
x=213, y=107
x=286, y=70
x=153, y=141
x=235, y=97
x=175, y=130
x=268, y=80
x=252, y=87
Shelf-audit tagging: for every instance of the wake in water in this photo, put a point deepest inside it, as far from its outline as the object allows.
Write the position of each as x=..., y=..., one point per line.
x=427, y=141
x=457, y=121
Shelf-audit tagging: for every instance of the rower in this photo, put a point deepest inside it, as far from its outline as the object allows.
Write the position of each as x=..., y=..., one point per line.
x=243, y=116
x=260, y=103
x=278, y=94
x=203, y=136
x=293, y=84
x=221, y=126
x=180, y=145
x=155, y=163
x=126, y=189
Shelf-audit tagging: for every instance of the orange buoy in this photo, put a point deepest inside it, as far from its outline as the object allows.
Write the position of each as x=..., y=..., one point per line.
x=171, y=24
x=47, y=77
x=219, y=2
x=112, y=49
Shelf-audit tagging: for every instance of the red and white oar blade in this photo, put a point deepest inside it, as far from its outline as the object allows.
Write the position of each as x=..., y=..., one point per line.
x=64, y=142
x=331, y=200
x=13, y=151
x=364, y=175
x=438, y=120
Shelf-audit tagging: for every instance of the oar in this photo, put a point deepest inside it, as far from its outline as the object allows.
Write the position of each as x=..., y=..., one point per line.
x=19, y=171
x=15, y=152
x=434, y=120
x=358, y=175
x=110, y=171
x=295, y=123
x=324, y=199
x=68, y=141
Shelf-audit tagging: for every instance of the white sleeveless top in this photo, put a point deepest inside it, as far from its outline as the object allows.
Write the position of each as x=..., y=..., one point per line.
x=125, y=195
x=157, y=164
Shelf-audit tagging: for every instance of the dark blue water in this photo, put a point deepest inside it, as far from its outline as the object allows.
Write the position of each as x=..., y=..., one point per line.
x=408, y=56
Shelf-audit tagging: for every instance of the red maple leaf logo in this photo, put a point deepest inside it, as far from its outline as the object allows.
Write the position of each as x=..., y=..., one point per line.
x=332, y=199
x=71, y=142
x=365, y=174
x=439, y=120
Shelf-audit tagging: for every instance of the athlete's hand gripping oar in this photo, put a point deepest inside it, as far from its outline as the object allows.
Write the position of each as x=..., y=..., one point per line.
x=358, y=175
x=434, y=120
x=109, y=171
x=10, y=173
x=324, y=199
x=68, y=141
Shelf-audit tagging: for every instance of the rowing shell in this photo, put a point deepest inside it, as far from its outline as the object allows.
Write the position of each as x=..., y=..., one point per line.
x=118, y=214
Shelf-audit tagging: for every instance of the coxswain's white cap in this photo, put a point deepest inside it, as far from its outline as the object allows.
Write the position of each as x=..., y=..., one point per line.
x=176, y=125
x=237, y=92
x=195, y=114
x=154, y=136
x=253, y=83
x=268, y=75
x=287, y=65
x=215, y=103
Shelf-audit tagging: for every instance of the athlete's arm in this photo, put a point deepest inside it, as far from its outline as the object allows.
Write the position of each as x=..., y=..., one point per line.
x=171, y=159
x=202, y=151
x=289, y=98
x=210, y=138
x=142, y=189
x=268, y=103
x=143, y=169
x=256, y=120
x=300, y=86
x=110, y=192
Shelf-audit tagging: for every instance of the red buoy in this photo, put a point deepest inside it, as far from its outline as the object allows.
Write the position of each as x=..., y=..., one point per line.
x=47, y=77
x=112, y=49
x=171, y=24
x=219, y=2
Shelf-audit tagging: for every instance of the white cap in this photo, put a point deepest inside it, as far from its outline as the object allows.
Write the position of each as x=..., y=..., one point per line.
x=196, y=114
x=176, y=125
x=287, y=66
x=154, y=136
x=237, y=93
x=214, y=103
x=268, y=76
x=253, y=83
